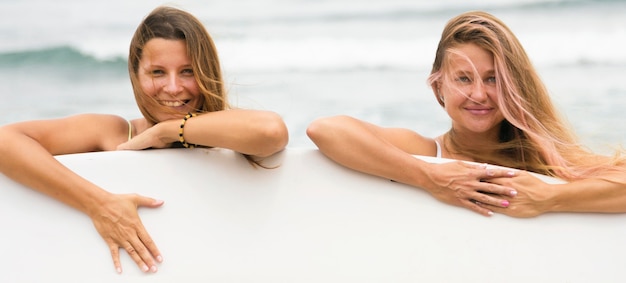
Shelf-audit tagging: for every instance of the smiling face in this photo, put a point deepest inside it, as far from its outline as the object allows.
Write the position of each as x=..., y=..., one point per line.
x=165, y=75
x=468, y=89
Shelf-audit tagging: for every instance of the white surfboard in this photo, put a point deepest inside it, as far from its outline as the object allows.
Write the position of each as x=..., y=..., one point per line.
x=309, y=220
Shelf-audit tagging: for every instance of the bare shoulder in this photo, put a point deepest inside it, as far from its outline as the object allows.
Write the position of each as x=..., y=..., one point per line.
x=77, y=133
x=107, y=130
x=102, y=122
x=410, y=141
x=92, y=117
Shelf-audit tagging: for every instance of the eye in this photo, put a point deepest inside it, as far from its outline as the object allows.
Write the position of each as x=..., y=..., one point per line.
x=463, y=79
x=156, y=73
x=188, y=71
x=491, y=80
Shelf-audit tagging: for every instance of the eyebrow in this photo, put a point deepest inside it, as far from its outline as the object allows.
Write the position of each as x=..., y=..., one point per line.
x=157, y=66
x=466, y=72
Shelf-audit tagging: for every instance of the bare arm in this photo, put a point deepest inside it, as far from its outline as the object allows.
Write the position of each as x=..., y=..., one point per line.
x=370, y=149
x=589, y=195
x=388, y=153
x=253, y=132
x=27, y=151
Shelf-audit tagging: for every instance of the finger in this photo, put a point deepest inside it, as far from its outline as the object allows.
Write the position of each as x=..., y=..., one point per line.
x=133, y=144
x=123, y=146
x=145, y=256
x=485, y=170
x=491, y=172
x=130, y=145
x=475, y=166
x=148, y=202
x=115, y=254
x=144, y=245
x=484, y=192
x=476, y=206
x=495, y=189
x=150, y=245
x=487, y=199
x=134, y=255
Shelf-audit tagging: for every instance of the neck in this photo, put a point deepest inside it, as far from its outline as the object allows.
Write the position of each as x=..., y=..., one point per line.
x=461, y=142
x=140, y=125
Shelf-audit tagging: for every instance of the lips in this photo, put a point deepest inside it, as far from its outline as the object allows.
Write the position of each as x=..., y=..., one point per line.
x=479, y=111
x=173, y=103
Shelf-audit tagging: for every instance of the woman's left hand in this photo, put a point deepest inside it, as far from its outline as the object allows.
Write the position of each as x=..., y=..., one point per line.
x=118, y=222
x=532, y=199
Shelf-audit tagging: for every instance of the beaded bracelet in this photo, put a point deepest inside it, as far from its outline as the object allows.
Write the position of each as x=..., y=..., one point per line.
x=181, y=138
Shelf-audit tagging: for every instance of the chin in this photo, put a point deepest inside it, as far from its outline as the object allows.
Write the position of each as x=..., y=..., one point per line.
x=168, y=116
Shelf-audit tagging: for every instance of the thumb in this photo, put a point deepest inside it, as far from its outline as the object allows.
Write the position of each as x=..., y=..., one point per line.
x=132, y=144
x=148, y=202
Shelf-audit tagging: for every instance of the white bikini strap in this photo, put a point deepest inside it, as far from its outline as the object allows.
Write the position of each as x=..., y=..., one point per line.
x=438, y=149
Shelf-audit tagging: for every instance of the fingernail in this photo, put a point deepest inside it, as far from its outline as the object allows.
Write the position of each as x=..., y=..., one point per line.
x=513, y=192
x=490, y=213
x=511, y=173
x=159, y=258
x=505, y=203
x=153, y=269
x=119, y=270
x=144, y=268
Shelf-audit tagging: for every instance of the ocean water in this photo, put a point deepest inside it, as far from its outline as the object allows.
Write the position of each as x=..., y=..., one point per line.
x=306, y=59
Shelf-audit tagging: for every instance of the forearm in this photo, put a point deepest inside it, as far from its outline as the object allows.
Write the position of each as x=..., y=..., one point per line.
x=27, y=162
x=384, y=161
x=352, y=144
x=589, y=195
x=258, y=133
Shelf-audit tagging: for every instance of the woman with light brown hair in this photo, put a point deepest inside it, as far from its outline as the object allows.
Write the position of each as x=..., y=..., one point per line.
x=178, y=86
x=501, y=114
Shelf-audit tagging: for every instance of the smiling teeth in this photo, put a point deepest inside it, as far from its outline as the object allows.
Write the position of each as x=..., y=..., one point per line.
x=172, y=103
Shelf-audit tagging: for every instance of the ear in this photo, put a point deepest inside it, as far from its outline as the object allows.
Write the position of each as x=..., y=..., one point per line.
x=436, y=86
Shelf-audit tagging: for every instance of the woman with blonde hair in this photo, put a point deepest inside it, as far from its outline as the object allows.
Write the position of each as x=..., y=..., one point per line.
x=178, y=86
x=501, y=114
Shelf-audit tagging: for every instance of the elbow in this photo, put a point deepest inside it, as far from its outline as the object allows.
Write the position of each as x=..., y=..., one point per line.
x=2, y=141
x=274, y=135
x=322, y=131
x=5, y=139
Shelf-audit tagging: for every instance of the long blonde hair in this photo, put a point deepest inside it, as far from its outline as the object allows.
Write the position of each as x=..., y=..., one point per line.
x=533, y=136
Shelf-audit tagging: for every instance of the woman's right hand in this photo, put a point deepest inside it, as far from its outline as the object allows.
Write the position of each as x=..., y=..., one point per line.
x=461, y=184
x=118, y=222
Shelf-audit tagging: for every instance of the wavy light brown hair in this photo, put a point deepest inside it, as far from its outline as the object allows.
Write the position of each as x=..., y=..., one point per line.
x=533, y=136
x=175, y=24
x=171, y=23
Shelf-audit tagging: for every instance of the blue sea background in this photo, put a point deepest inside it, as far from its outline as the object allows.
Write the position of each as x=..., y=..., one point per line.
x=311, y=58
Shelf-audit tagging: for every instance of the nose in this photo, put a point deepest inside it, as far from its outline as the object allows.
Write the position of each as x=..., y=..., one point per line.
x=478, y=93
x=172, y=86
